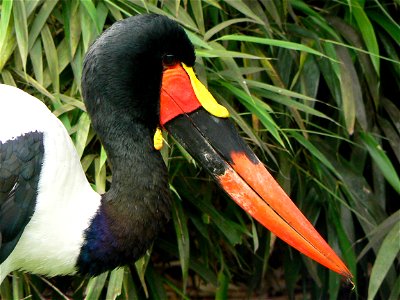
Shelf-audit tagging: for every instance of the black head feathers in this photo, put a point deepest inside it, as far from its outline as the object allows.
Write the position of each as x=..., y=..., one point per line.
x=122, y=70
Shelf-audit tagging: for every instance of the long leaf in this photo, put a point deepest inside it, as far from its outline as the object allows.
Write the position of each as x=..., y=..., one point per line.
x=351, y=92
x=217, y=28
x=367, y=32
x=39, y=21
x=114, y=287
x=382, y=160
x=52, y=57
x=21, y=30
x=384, y=260
x=271, y=42
x=36, y=57
x=182, y=235
x=95, y=286
x=225, y=53
x=391, y=27
x=244, y=9
x=258, y=108
x=91, y=10
x=376, y=236
x=82, y=132
x=6, y=10
x=314, y=151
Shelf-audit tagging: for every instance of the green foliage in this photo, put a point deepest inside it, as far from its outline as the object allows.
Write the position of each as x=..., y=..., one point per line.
x=312, y=85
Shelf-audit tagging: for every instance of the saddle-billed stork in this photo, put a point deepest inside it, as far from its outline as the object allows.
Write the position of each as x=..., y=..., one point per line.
x=137, y=77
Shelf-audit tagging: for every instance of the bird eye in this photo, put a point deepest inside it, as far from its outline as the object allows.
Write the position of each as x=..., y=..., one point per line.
x=169, y=60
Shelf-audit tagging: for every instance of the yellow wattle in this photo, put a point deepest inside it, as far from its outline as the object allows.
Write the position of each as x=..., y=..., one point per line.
x=158, y=139
x=204, y=96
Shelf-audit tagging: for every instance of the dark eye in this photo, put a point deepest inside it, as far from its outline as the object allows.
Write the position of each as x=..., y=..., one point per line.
x=169, y=60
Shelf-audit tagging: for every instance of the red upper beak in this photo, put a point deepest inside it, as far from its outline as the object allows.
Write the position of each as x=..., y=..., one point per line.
x=214, y=142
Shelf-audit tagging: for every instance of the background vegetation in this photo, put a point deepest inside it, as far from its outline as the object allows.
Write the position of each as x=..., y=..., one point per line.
x=314, y=87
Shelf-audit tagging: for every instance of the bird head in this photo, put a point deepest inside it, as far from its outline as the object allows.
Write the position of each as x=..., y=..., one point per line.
x=140, y=70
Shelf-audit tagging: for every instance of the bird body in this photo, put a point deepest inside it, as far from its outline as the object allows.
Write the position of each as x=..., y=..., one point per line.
x=137, y=77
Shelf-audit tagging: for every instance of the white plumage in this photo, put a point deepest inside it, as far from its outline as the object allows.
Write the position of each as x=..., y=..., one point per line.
x=65, y=199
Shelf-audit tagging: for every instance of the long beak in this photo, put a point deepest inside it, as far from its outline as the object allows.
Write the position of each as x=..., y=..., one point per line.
x=214, y=142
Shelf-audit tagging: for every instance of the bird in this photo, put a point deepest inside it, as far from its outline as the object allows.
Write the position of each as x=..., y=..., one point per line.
x=138, y=79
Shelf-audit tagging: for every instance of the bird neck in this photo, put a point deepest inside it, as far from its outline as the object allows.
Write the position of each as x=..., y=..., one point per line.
x=139, y=174
x=134, y=209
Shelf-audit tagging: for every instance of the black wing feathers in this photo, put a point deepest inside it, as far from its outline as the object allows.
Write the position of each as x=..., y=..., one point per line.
x=20, y=165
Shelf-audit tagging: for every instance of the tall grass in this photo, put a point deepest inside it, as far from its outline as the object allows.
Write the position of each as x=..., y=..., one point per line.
x=314, y=88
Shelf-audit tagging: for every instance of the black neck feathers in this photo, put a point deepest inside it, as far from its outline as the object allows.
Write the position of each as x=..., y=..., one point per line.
x=121, y=83
x=132, y=212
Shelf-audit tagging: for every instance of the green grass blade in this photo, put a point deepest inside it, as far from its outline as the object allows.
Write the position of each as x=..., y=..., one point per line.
x=197, y=41
x=82, y=132
x=141, y=267
x=314, y=151
x=382, y=160
x=271, y=42
x=36, y=57
x=31, y=81
x=198, y=15
x=176, y=289
x=155, y=284
x=21, y=30
x=52, y=57
x=130, y=290
x=222, y=289
x=7, y=49
x=213, y=53
x=257, y=107
x=182, y=16
x=358, y=49
x=30, y=6
x=376, y=236
x=89, y=29
x=393, y=111
x=87, y=161
x=117, y=11
x=351, y=92
x=217, y=28
x=367, y=32
x=100, y=174
x=39, y=21
x=242, y=7
x=5, y=289
x=6, y=10
x=390, y=26
x=280, y=97
x=395, y=292
x=56, y=289
x=73, y=101
x=17, y=286
x=284, y=92
x=384, y=260
x=95, y=286
x=230, y=230
x=393, y=137
x=232, y=67
x=344, y=243
x=7, y=78
x=91, y=10
x=103, y=157
x=72, y=25
x=114, y=287
x=182, y=235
